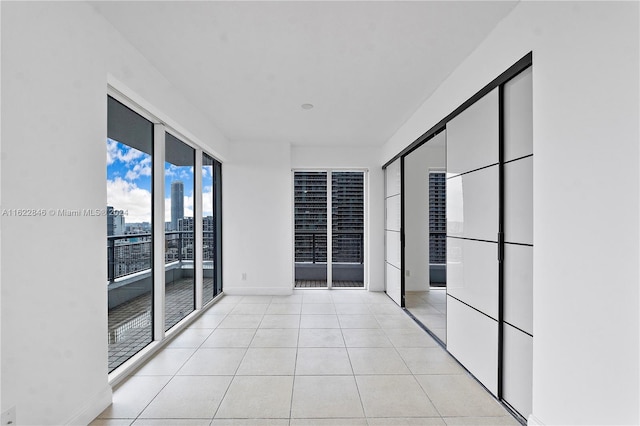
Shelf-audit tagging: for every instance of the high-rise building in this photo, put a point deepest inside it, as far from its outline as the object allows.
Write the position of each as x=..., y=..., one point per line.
x=115, y=221
x=177, y=203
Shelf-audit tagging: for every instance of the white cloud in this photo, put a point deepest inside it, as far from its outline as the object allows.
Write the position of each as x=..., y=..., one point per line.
x=125, y=155
x=143, y=168
x=123, y=195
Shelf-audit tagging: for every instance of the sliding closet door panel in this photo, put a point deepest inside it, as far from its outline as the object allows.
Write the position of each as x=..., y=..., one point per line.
x=472, y=274
x=518, y=286
x=518, y=116
x=393, y=248
x=518, y=370
x=472, y=136
x=392, y=206
x=518, y=203
x=473, y=339
x=392, y=179
x=393, y=276
x=472, y=205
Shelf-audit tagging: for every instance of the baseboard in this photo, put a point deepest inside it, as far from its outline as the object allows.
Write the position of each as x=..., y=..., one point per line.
x=257, y=291
x=92, y=408
x=534, y=421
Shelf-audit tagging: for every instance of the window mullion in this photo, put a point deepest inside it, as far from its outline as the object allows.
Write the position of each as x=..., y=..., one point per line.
x=158, y=231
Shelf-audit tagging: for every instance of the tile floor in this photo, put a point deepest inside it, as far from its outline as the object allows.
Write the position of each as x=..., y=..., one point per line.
x=318, y=357
x=430, y=308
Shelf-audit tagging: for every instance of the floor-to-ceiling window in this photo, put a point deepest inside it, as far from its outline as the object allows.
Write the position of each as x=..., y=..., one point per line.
x=179, y=230
x=329, y=228
x=158, y=259
x=129, y=237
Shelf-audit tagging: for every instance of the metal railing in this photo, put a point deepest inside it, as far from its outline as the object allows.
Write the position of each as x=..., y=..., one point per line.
x=311, y=246
x=132, y=253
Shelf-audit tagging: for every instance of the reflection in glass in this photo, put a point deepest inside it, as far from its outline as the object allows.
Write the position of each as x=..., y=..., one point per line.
x=129, y=239
x=179, y=230
x=347, y=211
x=310, y=218
x=211, y=227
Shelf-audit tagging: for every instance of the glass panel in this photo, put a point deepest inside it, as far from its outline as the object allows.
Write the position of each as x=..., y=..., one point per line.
x=211, y=226
x=310, y=211
x=179, y=231
x=347, y=211
x=129, y=240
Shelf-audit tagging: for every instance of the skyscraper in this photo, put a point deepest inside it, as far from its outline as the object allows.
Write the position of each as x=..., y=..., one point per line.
x=177, y=203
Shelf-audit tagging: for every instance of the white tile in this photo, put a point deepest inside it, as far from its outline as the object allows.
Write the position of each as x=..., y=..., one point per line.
x=241, y=321
x=322, y=361
x=386, y=308
x=410, y=338
x=318, y=308
x=252, y=397
x=319, y=321
x=172, y=422
x=316, y=296
x=366, y=338
x=112, y=422
x=325, y=397
x=249, y=309
x=213, y=362
x=268, y=362
x=358, y=321
x=429, y=361
x=397, y=321
x=280, y=321
x=166, y=362
x=518, y=201
x=473, y=339
x=518, y=116
x=472, y=205
x=472, y=136
x=188, y=397
x=190, y=338
x=481, y=421
x=291, y=299
x=229, y=338
x=250, y=422
x=377, y=361
x=275, y=338
x=518, y=370
x=256, y=300
x=209, y=321
x=133, y=395
x=284, y=309
x=394, y=396
x=459, y=395
x=472, y=274
x=320, y=338
x=353, y=308
x=405, y=421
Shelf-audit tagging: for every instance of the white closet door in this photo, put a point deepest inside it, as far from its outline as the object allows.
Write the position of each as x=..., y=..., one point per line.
x=393, y=267
x=518, y=251
x=472, y=238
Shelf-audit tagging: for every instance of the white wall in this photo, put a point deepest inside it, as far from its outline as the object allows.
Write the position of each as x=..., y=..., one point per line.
x=55, y=62
x=586, y=193
x=417, y=164
x=257, y=230
x=356, y=158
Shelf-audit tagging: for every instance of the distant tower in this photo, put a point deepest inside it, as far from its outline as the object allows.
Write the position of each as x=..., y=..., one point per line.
x=177, y=203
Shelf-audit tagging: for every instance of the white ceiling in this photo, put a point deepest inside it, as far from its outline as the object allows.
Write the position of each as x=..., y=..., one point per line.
x=249, y=66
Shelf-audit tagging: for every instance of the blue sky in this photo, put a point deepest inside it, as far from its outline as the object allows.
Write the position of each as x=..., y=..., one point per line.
x=129, y=183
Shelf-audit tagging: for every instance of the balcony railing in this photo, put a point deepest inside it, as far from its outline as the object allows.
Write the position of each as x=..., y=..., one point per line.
x=132, y=253
x=311, y=246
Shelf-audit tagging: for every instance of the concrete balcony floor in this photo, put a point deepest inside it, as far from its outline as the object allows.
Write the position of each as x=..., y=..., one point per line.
x=130, y=323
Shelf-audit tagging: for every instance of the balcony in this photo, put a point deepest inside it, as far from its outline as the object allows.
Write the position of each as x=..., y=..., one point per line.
x=311, y=259
x=130, y=285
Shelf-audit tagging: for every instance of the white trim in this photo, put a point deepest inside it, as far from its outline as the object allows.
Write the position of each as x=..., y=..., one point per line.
x=330, y=229
x=92, y=408
x=157, y=194
x=198, y=228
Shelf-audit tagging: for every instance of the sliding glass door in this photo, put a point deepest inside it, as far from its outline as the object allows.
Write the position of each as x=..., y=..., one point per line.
x=329, y=218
